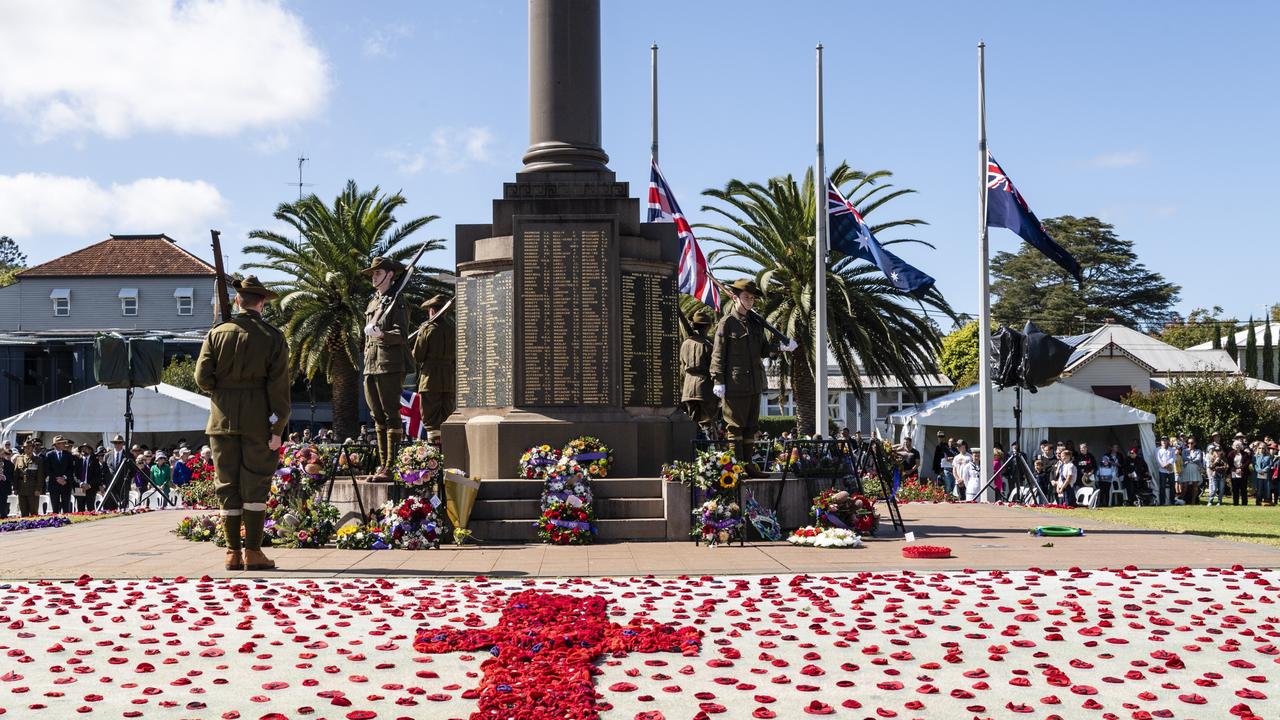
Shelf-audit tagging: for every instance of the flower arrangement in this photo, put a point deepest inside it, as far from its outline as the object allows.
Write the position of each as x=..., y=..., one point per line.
x=410, y=525
x=838, y=509
x=716, y=521
x=354, y=536
x=568, y=515
x=914, y=490
x=538, y=461
x=34, y=523
x=419, y=465
x=926, y=551
x=200, y=528
x=716, y=471
x=307, y=522
x=309, y=462
x=593, y=456
x=681, y=471
x=825, y=537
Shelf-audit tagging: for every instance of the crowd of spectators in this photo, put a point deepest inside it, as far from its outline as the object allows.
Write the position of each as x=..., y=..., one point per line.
x=1186, y=474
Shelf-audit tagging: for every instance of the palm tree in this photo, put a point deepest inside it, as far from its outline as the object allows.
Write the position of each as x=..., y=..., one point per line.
x=872, y=327
x=323, y=294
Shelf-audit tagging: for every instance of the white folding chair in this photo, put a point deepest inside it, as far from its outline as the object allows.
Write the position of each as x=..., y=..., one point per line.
x=1116, y=488
x=1087, y=496
x=46, y=505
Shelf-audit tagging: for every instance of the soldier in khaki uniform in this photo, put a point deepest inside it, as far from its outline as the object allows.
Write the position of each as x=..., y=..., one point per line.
x=435, y=355
x=700, y=403
x=29, y=481
x=737, y=369
x=243, y=365
x=386, y=360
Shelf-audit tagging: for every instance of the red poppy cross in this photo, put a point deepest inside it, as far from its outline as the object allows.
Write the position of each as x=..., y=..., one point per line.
x=544, y=649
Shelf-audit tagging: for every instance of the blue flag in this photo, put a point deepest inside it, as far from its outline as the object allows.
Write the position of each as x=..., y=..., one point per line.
x=1007, y=208
x=851, y=236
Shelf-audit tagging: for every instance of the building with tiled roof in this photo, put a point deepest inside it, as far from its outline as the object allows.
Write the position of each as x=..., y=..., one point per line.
x=131, y=284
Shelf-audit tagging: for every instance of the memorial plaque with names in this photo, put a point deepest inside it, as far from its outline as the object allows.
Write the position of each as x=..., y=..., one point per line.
x=484, y=329
x=564, y=336
x=650, y=339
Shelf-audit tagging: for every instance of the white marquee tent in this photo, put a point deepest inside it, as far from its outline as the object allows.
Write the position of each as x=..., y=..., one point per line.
x=1057, y=412
x=160, y=413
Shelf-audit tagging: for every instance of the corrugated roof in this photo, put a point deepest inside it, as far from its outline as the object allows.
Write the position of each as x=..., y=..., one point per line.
x=1161, y=357
x=125, y=255
x=1242, y=337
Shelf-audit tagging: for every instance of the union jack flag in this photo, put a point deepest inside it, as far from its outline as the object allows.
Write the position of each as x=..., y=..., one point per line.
x=411, y=415
x=695, y=273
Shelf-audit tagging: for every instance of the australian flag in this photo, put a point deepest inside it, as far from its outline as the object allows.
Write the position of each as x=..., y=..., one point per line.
x=851, y=236
x=1007, y=208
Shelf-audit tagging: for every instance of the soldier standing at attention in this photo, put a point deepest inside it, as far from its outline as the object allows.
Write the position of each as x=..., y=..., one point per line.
x=699, y=402
x=243, y=365
x=386, y=360
x=435, y=354
x=737, y=369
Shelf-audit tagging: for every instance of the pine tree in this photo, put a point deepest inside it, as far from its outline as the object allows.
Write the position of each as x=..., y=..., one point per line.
x=1268, y=354
x=1217, y=335
x=1232, y=350
x=1251, y=351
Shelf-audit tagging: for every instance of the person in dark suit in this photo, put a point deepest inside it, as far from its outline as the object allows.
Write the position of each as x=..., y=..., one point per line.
x=115, y=457
x=60, y=469
x=88, y=479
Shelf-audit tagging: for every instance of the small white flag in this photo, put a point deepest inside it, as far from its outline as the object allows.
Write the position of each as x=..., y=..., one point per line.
x=911, y=537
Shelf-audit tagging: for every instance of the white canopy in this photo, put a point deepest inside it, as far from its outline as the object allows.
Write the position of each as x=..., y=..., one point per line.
x=99, y=412
x=1061, y=409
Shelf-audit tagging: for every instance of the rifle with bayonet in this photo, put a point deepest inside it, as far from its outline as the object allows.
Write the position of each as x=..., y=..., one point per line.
x=390, y=300
x=439, y=313
x=220, y=281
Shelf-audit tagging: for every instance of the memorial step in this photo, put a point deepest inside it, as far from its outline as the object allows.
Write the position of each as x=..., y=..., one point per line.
x=523, y=530
x=613, y=508
x=604, y=488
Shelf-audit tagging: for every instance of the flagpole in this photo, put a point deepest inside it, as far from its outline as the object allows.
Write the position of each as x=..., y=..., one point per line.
x=653, y=99
x=984, y=287
x=820, y=273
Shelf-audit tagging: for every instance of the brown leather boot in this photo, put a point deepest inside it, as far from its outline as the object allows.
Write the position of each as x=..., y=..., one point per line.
x=255, y=560
x=235, y=561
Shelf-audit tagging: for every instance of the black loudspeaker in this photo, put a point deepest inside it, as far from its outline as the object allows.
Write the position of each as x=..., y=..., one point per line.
x=111, y=362
x=1006, y=357
x=146, y=361
x=1043, y=357
x=120, y=362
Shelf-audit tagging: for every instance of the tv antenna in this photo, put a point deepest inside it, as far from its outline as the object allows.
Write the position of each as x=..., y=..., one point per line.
x=302, y=160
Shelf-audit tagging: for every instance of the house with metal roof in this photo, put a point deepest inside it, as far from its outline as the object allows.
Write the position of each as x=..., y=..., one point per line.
x=1115, y=360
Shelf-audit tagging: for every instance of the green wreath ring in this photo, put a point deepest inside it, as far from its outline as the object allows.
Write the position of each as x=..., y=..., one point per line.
x=1057, y=531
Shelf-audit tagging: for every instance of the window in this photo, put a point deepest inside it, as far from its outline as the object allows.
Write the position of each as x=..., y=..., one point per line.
x=184, y=297
x=61, y=298
x=128, y=302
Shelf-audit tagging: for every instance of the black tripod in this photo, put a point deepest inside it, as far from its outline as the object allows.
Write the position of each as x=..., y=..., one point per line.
x=1015, y=469
x=127, y=464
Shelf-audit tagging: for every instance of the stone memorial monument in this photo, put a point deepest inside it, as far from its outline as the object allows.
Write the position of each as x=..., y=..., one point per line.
x=566, y=303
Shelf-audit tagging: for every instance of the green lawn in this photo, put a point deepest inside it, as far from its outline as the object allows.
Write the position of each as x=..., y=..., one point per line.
x=1246, y=524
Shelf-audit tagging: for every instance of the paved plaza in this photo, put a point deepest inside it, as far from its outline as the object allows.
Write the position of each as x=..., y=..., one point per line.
x=981, y=536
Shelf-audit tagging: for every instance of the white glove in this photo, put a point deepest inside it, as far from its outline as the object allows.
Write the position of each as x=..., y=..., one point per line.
x=791, y=345
x=718, y=391
x=373, y=331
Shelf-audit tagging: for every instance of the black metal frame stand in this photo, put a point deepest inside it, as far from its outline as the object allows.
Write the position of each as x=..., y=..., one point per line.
x=846, y=463
x=1019, y=472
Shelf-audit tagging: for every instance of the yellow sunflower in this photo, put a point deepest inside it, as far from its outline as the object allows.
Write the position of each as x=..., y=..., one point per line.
x=728, y=480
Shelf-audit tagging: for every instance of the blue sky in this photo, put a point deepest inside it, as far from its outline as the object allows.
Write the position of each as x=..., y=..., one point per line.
x=1156, y=117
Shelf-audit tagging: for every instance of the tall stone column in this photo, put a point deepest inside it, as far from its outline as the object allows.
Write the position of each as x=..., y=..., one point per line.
x=564, y=87
x=567, y=305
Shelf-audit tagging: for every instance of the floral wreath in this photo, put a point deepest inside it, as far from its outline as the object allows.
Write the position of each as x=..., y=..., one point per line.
x=419, y=464
x=834, y=508
x=590, y=453
x=716, y=521
x=410, y=525
x=716, y=471
x=568, y=515
x=538, y=461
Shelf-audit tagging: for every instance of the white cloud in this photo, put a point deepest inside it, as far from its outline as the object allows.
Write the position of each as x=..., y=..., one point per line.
x=1118, y=159
x=447, y=150
x=39, y=207
x=204, y=67
x=381, y=41
x=272, y=143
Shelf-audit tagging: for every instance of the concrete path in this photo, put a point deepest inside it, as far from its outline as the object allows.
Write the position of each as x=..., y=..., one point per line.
x=980, y=536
